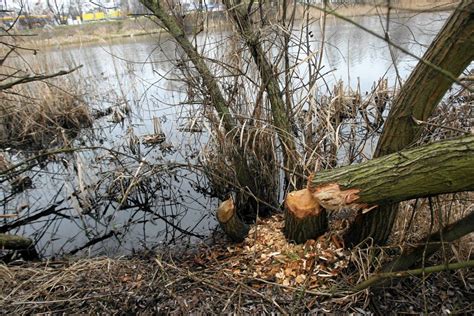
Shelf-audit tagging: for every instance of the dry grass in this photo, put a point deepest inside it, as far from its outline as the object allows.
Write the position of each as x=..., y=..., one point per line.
x=41, y=115
x=223, y=278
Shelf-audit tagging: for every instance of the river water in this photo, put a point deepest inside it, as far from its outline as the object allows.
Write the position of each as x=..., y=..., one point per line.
x=140, y=74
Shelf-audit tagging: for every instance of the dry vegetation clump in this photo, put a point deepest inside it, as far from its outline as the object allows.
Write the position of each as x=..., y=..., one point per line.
x=263, y=274
x=41, y=115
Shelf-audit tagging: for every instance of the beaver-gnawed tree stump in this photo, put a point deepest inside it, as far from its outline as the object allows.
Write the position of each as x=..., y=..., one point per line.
x=304, y=217
x=230, y=222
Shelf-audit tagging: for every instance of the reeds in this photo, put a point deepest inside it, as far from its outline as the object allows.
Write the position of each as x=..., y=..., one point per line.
x=41, y=115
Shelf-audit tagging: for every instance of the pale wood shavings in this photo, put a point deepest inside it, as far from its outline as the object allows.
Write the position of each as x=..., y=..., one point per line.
x=266, y=254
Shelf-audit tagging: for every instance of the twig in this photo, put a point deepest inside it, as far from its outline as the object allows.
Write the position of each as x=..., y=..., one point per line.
x=37, y=78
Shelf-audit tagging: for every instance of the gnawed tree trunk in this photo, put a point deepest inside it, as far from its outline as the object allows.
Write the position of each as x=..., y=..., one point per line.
x=304, y=218
x=438, y=168
x=452, y=50
x=230, y=222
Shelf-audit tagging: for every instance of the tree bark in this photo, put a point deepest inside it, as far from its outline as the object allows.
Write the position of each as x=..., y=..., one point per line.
x=452, y=50
x=270, y=81
x=230, y=222
x=304, y=218
x=243, y=175
x=438, y=168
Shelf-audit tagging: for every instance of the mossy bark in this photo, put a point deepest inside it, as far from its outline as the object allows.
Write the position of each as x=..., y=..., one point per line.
x=438, y=168
x=304, y=218
x=14, y=242
x=230, y=222
x=452, y=50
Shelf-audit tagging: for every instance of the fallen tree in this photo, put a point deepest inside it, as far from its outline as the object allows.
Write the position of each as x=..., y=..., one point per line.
x=17, y=244
x=445, y=59
x=438, y=168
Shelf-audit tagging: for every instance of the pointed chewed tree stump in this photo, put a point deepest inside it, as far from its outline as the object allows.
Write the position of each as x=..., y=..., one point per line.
x=304, y=217
x=230, y=222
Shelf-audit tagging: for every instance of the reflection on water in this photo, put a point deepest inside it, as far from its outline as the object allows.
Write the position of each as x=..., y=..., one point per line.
x=95, y=190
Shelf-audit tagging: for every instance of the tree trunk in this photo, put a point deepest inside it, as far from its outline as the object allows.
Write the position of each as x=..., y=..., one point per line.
x=438, y=168
x=244, y=177
x=175, y=30
x=304, y=218
x=14, y=242
x=230, y=222
x=269, y=80
x=452, y=50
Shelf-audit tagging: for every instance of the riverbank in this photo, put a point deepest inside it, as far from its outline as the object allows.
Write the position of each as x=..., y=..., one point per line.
x=247, y=278
x=93, y=32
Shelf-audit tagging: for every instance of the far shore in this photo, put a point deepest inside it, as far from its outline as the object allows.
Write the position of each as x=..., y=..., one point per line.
x=100, y=31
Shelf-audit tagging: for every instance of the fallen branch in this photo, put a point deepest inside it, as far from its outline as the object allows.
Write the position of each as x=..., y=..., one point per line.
x=23, y=221
x=401, y=274
x=432, y=244
x=28, y=78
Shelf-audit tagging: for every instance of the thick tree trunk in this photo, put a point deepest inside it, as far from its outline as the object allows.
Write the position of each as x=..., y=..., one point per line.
x=230, y=222
x=438, y=168
x=452, y=50
x=304, y=218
